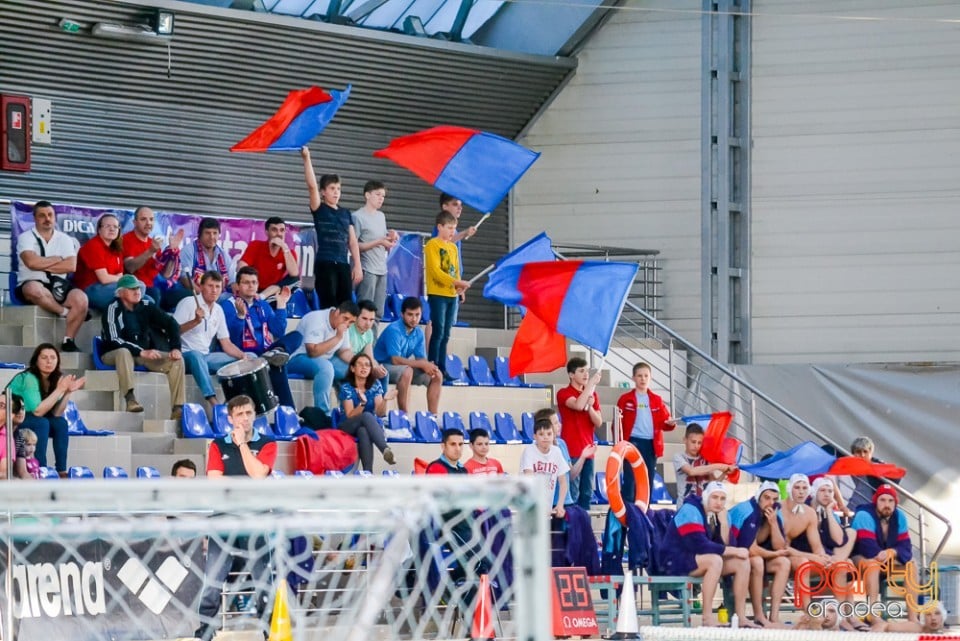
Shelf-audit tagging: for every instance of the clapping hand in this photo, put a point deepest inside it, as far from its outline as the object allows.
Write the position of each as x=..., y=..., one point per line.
x=176, y=239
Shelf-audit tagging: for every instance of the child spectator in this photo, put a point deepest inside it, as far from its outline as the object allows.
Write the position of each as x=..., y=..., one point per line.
x=4, y=459
x=543, y=457
x=588, y=452
x=336, y=237
x=375, y=242
x=480, y=462
x=579, y=408
x=693, y=471
x=444, y=286
x=30, y=447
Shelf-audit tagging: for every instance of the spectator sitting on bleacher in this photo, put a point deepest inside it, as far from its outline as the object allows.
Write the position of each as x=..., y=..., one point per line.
x=139, y=332
x=480, y=462
x=47, y=258
x=883, y=536
x=275, y=262
x=402, y=348
x=30, y=463
x=361, y=338
x=324, y=336
x=154, y=265
x=693, y=471
x=699, y=543
x=4, y=459
x=184, y=469
x=203, y=255
x=256, y=327
x=362, y=401
x=100, y=263
x=755, y=526
x=45, y=391
x=16, y=417
x=200, y=323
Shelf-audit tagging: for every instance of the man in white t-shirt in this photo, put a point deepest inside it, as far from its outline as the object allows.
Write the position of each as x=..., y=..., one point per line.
x=200, y=324
x=324, y=335
x=45, y=251
x=543, y=457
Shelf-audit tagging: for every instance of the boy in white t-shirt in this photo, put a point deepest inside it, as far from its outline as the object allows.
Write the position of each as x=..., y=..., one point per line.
x=543, y=457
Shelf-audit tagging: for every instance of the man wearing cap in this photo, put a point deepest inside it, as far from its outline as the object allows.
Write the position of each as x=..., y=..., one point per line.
x=137, y=332
x=800, y=526
x=697, y=544
x=756, y=526
x=883, y=535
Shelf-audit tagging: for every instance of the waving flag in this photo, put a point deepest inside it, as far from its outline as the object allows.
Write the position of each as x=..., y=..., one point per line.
x=807, y=458
x=717, y=446
x=303, y=115
x=477, y=167
x=856, y=466
x=579, y=300
x=538, y=249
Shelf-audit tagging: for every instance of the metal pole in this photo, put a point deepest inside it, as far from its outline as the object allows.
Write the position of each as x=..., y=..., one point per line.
x=670, y=374
x=753, y=426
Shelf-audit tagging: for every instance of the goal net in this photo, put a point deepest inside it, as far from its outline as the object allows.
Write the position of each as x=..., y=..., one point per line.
x=333, y=559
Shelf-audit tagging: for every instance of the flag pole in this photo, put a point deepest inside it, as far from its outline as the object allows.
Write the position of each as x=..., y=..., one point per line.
x=486, y=271
x=482, y=218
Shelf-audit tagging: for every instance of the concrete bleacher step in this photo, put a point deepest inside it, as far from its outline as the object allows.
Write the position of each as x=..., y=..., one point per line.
x=159, y=426
x=152, y=443
x=110, y=420
x=185, y=446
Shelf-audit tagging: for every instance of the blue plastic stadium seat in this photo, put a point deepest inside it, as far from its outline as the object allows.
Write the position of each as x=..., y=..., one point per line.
x=479, y=372
x=286, y=425
x=75, y=424
x=425, y=310
x=391, y=473
x=262, y=425
x=506, y=429
x=303, y=473
x=501, y=370
x=364, y=473
x=389, y=312
x=600, y=489
x=80, y=472
x=481, y=421
x=452, y=420
x=454, y=371
x=297, y=306
x=659, y=493
x=221, y=420
x=336, y=416
x=526, y=426
x=48, y=473
x=195, y=423
x=98, y=361
x=12, y=288
x=115, y=472
x=334, y=473
x=277, y=474
x=397, y=421
x=147, y=472
x=426, y=428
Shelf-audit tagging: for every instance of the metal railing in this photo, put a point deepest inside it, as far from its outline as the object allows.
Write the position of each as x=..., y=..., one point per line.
x=698, y=384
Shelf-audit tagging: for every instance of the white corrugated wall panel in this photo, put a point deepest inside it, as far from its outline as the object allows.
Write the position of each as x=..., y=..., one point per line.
x=856, y=158
x=621, y=151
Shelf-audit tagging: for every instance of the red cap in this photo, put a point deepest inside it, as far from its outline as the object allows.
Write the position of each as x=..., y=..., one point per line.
x=887, y=489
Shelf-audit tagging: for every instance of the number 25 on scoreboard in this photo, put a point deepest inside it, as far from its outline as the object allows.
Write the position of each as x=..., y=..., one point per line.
x=573, y=612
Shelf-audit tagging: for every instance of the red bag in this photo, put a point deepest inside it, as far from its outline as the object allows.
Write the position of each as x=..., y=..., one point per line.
x=331, y=450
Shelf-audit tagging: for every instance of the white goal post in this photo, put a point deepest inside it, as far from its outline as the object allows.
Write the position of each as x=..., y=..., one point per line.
x=362, y=558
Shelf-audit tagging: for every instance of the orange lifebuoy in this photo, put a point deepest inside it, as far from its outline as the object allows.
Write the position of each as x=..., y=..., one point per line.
x=625, y=451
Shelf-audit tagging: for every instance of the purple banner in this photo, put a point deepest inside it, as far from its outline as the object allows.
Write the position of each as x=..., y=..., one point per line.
x=235, y=233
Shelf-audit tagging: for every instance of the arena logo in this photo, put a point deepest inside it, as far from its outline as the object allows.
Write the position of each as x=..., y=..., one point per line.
x=812, y=578
x=859, y=609
x=64, y=589
x=154, y=593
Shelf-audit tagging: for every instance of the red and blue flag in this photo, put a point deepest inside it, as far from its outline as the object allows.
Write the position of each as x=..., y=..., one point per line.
x=477, y=167
x=303, y=115
x=717, y=446
x=579, y=300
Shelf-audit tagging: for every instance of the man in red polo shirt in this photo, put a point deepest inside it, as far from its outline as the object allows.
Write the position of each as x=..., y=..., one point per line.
x=145, y=257
x=579, y=408
x=275, y=262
